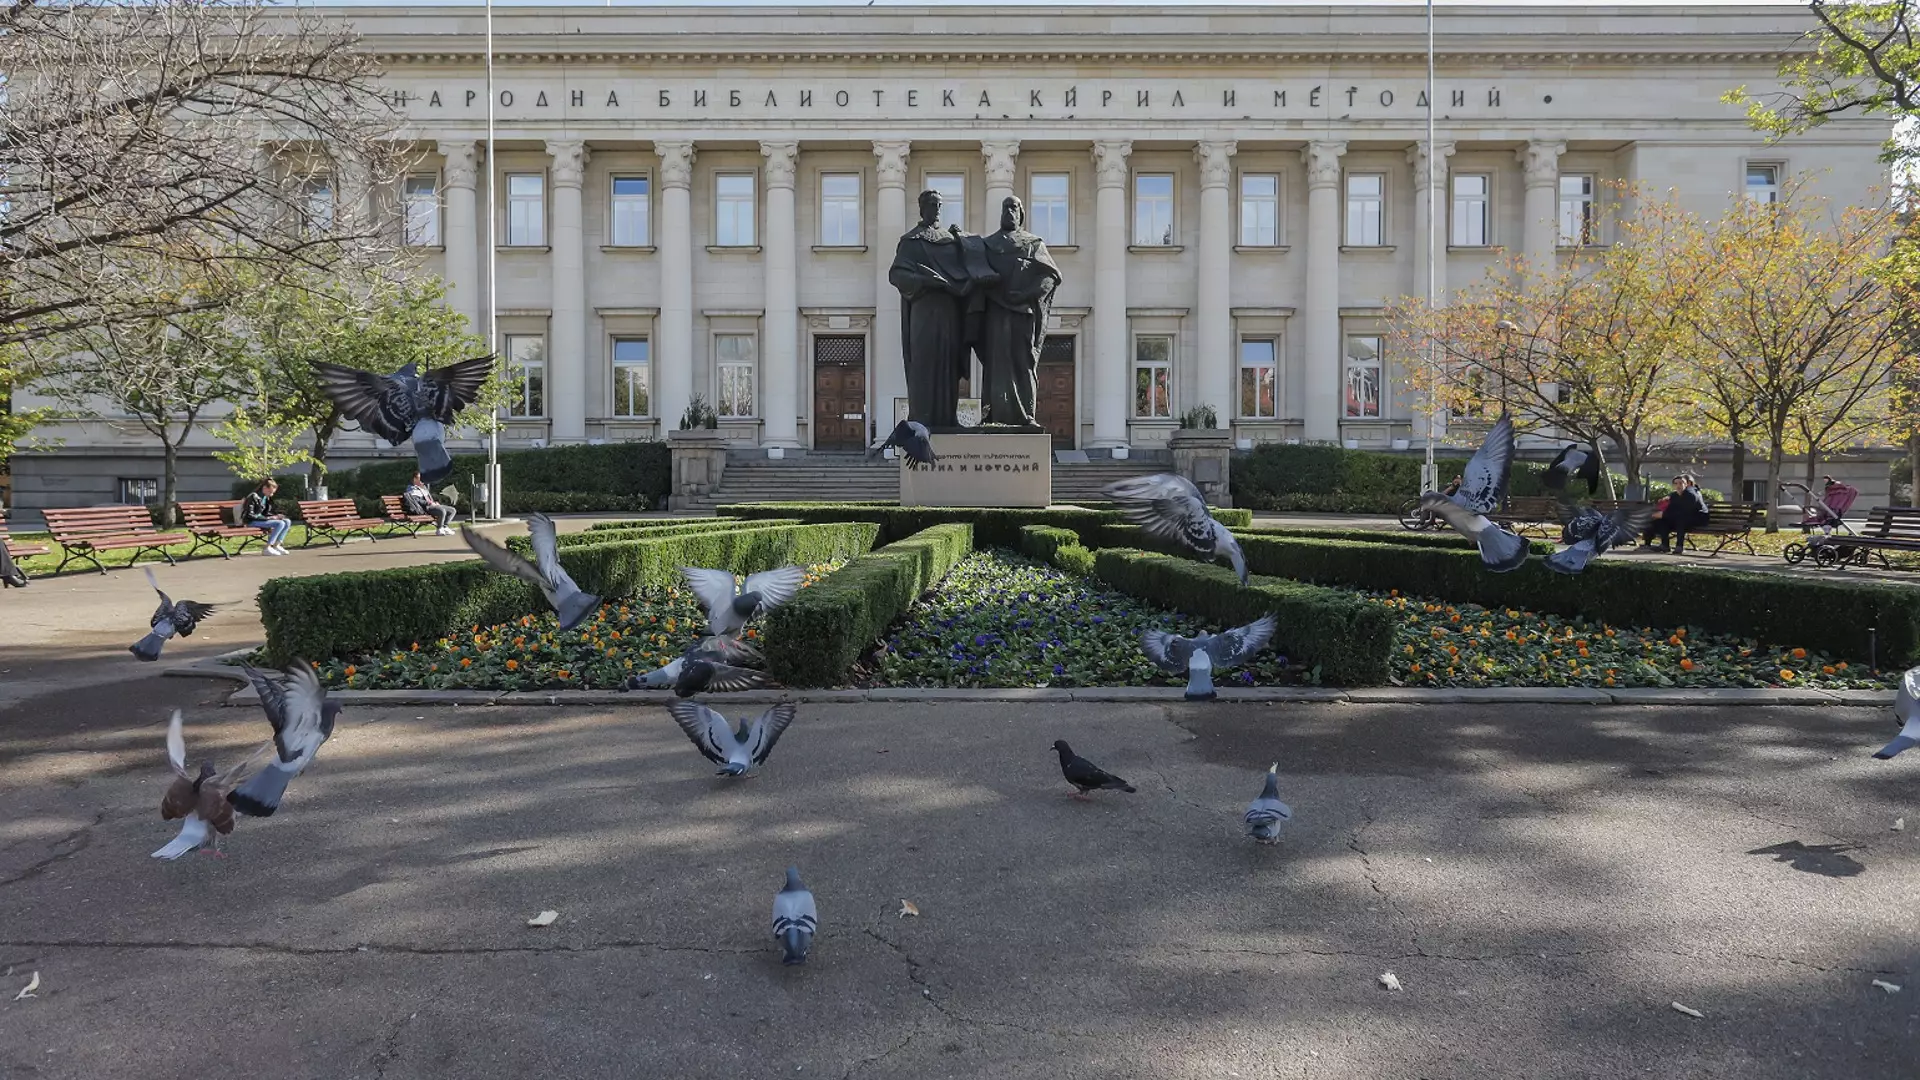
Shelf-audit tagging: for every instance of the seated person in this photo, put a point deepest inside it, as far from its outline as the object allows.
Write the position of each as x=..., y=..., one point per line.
x=257, y=511
x=11, y=576
x=418, y=500
x=1685, y=509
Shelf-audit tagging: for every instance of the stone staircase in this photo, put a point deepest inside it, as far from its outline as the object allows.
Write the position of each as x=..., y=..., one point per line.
x=833, y=477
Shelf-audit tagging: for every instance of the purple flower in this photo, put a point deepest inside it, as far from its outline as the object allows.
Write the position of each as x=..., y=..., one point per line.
x=1059, y=670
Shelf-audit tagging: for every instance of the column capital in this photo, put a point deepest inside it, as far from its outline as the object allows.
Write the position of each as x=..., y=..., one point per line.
x=1430, y=173
x=676, y=162
x=1540, y=161
x=1323, y=162
x=890, y=168
x=1110, y=162
x=462, y=167
x=1000, y=157
x=569, y=161
x=781, y=157
x=1216, y=161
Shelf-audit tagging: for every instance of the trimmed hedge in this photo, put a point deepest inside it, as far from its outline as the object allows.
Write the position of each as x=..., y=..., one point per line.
x=1059, y=547
x=335, y=615
x=557, y=479
x=1442, y=538
x=816, y=638
x=993, y=526
x=638, y=530
x=1347, y=638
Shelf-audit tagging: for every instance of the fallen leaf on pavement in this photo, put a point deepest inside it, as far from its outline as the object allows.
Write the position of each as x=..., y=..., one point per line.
x=28, y=991
x=1891, y=988
x=545, y=918
x=1695, y=1013
x=1390, y=981
x=1899, y=824
x=907, y=908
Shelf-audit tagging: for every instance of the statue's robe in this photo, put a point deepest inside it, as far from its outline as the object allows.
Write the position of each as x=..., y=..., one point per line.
x=936, y=278
x=1015, y=323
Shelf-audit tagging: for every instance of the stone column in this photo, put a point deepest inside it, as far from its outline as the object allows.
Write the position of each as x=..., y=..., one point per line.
x=1214, y=368
x=465, y=290
x=1110, y=367
x=1430, y=232
x=1000, y=158
x=567, y=349
x=673, y=354
x=888, y=363
x=780, y=366
x=1321, y=320
x=1540, y=163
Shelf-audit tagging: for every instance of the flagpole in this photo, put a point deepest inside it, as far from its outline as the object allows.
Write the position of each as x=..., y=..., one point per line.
x=494, y=502
x=1430, y=480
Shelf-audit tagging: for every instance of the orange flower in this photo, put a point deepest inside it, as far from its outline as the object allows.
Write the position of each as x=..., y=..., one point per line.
x=513, y=665
x=1393, y=592
x=1786, y=674
x=1686, y=664
x=1583, y=650
x=1842, y=665
x=1828, y=669
x=1416, y=669
x=562, y=674
x=1799, y=654
x=416, y=646
x=1609, y=631
x=350, y=670
x=466, y=661
x=1682, y=632
x=752, y=633
x=1609, y=678
x=519, y=642
x=1674, y=640
x=1452, y=651
x=1409, y=650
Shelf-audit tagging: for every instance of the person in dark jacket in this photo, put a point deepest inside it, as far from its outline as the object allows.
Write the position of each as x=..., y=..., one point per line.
x=417, y=499
x=257, y=511
x=1686, y=509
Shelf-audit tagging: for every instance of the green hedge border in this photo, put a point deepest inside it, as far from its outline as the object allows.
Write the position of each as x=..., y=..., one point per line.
x=339, y=615
x=816, y=638
x=992, y=526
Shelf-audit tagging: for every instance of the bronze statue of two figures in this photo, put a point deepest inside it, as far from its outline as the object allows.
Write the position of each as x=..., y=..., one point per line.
x=986, y=294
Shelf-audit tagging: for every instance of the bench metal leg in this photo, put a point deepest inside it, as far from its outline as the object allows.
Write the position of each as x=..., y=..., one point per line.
x=204, y=541
x=71, y=553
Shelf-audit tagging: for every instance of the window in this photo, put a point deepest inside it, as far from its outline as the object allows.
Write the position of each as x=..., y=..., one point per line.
x=1259, y=210
x=526, y=210
x=527, y=364
x=733, y=368
x=421, y=199
x=1366, y=209
x=1753, y=491
x=953, y=198
x=1257, y=370
x=317, y=196
x=632, y=213
x=139, y=492
x=1578, y=221
x=630, y=387
x=733, y=210
x=840, y=210
x=1363, y=377
x=1763, y=183
x=1152, y=377
x=1470, y=192
x=1049, y=207
x=1153, y=210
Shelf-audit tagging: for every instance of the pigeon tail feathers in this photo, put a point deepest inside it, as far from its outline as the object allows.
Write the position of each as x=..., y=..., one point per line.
x=1501, y=550
x=1200, y=677
x=573, y=610
x=1572, y=560
x=147, y=648
x=1234, y=555
x=794, y=942
x=260, y=796
x=1893, y=749
x=193, y=834
x=430, y=447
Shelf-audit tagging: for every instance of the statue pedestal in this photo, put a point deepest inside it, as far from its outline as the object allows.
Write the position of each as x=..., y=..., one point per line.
x=699, y=460
x=1204, y=456
x=982, y=469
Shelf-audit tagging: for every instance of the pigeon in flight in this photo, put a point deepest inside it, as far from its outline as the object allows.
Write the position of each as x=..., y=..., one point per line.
x=794, y=918
x=545, y=571
x=302, y=720
x=1084, y=775
x=1169, y=507
x=408, y=405
x=729, y=607
x=1483, y=488
x=1577, y=462
x=714, y=663
x=171, y=618
x=1589, y=533
x=1197, y=657
x=911, y=438
x=1906, y=707
x=1267, y=813
x=734, y=752
x=199, y=798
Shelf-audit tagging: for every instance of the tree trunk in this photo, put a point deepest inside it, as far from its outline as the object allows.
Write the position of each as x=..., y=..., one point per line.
x=1633, y=466
x=1775, y=459
x=317, y=471
x=1813, y=465
x=169, y=481
x=1739, y=489
x=1913, y=464
x=1606, y=474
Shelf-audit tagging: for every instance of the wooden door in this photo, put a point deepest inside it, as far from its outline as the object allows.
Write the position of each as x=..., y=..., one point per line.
x=839, y=392
x=1054, y=408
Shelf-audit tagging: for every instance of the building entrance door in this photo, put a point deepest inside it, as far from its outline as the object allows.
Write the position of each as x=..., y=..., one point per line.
x=1054, y=408
x=839, y=392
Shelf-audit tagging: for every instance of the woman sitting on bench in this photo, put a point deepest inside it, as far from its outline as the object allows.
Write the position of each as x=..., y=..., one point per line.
x=257, y=512
x=1686, y=509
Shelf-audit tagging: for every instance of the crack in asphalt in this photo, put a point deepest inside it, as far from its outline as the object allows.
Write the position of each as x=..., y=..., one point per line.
x=390, y=1047
x=615, y=945
x=914, y=968
x=875, y=1059
x=79, y=838
x=1175, y=793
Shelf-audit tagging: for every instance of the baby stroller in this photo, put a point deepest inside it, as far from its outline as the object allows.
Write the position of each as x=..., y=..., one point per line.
x=1825, y=525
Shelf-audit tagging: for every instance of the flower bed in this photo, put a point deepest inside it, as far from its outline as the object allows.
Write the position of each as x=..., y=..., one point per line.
x=533, y=653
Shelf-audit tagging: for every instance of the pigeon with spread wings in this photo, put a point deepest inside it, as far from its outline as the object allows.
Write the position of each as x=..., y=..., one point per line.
x=567, y=599
x=200, y=798
x=302, y=718
x=1575, y=462
x=735, y=752
x=408, y=404
x=1588, y=533
x=1169, y=507
x=911, y=438
x=729, y=607
x=1483, y=489
x=1197, y=657
x=714, y=663
x=172, y=617
x=1906, y=709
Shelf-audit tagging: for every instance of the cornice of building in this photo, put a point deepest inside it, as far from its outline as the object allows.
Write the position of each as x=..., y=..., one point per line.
x=1109, y=57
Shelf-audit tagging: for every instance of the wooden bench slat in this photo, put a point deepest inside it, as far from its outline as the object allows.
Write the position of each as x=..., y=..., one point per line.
x=399, y=518
x=84, y=532
x=336, y=519
x=210, y=524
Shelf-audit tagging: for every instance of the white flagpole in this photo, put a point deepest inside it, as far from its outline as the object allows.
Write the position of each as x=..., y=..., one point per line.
x=493, y=279
x=1430, y=480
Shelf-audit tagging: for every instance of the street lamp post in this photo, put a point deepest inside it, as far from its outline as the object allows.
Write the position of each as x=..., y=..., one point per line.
x=1429, y=472
x=493, y=287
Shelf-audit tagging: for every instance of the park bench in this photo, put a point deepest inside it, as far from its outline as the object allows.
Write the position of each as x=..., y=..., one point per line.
x=20, y=549
x=1731, y=522
x=335, y=520
x=1888, y=528
x=398, y=518
x=1530, y=515
x=212, y=522
x=85, y=532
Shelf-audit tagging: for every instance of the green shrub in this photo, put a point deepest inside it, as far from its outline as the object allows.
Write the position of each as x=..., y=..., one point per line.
x=992, y=526
x=1347, y=638
x=1442, y=538
x=1059, y=547
x=634, y=530
x=338, y=615
x=557, y=479
x=817, y=637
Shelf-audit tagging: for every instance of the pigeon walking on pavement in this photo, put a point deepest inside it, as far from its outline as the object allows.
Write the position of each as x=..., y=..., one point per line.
x=200, y=798
x=731, y=607
x=794, y=919
x=1267, y=813
x=1198, y=657
x=302, y=720
x=567, y=600
x=1573, y=462
x=1084, y=775
x=1906, y=708
x=408, y=404
x=911, y=438
x=734, y=751
x=1483, y=488
x=1590, y=533
x=1169, y=507
x=169, y=619
x=711, y=664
